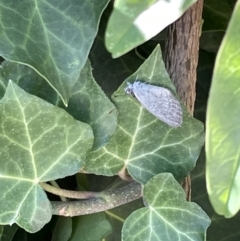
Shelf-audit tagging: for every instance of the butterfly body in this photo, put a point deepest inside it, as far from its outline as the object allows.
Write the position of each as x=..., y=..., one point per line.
x=159, y=101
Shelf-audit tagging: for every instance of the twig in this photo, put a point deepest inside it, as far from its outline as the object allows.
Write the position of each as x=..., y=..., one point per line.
x=70, y=194
x=54, y=184
x=108, y=200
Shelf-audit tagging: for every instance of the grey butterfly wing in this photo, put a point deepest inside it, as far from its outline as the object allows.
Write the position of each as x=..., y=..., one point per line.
x=160, y=102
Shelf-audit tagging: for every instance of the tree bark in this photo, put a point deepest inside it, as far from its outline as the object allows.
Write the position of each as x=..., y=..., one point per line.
x=181, y=59
x=181, y=53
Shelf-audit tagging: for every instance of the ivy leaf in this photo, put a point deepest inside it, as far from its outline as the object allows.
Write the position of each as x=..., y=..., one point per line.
x=142, y=144
x=63, y=229
x=38, y=142
x=222, y=125
x=87, y=103
x=28, y=79
x=8, y=232
x=216, y=15
x=52, y=37
x=134, y=22
x=101, y=59
x=168, y=216
x=90, y=227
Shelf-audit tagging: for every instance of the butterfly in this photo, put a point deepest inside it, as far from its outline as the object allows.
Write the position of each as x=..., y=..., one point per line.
x=159, y=101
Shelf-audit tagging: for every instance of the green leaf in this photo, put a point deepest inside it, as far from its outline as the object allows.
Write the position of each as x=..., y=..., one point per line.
x=21, y=235
x=100, y=59
x=89, y=104
x=90, y=227
x=28, y=79
x=221, y=229
x=7, y=232
x=84, y=103
x=143, y=144
x=63, y=229
x=211, y=40
x=216, y=15
x=222, y=126
x=134, y=22
x=39, y=142
x=168, y=216
x=52, y=37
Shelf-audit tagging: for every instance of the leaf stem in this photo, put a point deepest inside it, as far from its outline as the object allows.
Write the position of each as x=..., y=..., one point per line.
x=106, y=200
x=54, y=184
x=70, y=194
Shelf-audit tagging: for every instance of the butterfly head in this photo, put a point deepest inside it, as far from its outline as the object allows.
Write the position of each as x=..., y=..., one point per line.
x=129, y=89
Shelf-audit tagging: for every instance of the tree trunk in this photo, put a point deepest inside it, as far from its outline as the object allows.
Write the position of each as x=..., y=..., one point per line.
x=181, y=53
x=181, y=58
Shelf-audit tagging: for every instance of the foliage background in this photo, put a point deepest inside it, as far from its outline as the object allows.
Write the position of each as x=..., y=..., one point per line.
x=110, y=73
